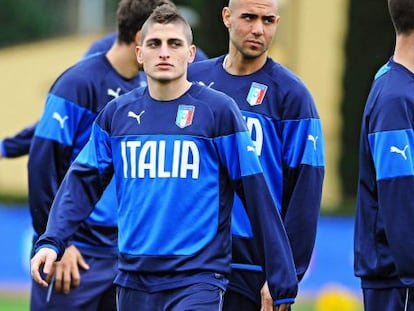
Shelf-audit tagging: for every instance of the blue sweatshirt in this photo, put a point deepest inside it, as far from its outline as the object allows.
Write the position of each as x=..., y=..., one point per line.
x=285, y=127
x=384, y=235
x=72, y=104
x=176, y=165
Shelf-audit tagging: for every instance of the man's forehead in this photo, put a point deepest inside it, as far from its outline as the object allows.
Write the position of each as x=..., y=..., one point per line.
x=165, y=32
x=257, y=7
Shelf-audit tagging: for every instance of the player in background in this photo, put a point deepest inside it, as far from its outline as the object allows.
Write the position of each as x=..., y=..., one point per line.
x=177, y=152
x=84, y=277
x=284, y=124
x=19, y=144
x=384, y=236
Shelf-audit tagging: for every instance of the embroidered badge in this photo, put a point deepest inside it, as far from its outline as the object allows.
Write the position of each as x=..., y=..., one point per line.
x=256, y=94
x=185, y=115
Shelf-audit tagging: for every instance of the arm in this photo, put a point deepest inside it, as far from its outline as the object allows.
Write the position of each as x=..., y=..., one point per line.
x=18, y=144
x=82, y=187
x=269, y=235
x=390, y=141
x=303, y=175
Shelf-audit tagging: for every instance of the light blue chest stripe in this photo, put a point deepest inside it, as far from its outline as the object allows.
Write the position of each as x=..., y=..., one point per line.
x=304, y=142
x=392, y=153
x=239, y=154
x=60, y=120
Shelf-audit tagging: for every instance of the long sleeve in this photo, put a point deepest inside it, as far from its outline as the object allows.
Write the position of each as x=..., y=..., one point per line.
x=19, y=144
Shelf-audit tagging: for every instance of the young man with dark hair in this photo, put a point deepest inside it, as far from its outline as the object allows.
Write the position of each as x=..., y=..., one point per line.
x=177, y=152
x=83, y=279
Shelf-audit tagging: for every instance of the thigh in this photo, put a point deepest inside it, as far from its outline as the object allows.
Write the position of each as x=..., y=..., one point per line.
x=235, y=302
x=96, y=286
x=390, y=299
x=196, y=297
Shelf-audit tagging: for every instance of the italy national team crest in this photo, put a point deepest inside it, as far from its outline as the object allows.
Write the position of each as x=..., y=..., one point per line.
x=256, y=94
x=185, y=115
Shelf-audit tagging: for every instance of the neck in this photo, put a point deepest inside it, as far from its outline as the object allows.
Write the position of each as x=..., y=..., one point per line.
x=404, y=51
x=165, y=91
x=123, y=60
x=237, y=64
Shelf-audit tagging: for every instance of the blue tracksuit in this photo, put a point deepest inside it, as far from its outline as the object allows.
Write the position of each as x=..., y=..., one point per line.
x=285, y=127
x=384, y=256
x=175, y=165
x=71, y=106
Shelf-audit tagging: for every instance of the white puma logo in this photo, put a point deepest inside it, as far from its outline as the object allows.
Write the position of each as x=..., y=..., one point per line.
x=113, y=93
x=251, y=148
x=397, y=150
x=313, y=139
x=209, y=85
x=61, y=120
x=136, y=116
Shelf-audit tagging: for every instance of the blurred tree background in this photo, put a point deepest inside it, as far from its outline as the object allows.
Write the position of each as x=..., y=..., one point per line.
x=369, y=43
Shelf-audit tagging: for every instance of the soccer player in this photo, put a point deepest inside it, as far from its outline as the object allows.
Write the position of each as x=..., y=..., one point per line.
x=177, y=152
x=74, y=100
x=285, y=127
x=384, y=235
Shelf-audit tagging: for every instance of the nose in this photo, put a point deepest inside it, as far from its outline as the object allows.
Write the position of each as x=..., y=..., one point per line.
x=164, y=51
x=257, y=27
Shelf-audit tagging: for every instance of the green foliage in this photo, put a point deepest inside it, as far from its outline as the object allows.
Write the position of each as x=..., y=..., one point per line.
x=210, y=34
x=24, y=21
x=368, y=46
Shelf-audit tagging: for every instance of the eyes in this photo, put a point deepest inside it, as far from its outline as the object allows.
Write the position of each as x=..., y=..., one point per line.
x=173, y=43
x=267, y=20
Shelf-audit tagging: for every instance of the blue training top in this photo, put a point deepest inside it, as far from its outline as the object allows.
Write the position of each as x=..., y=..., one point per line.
x=176, y=165
x=72, y=104
x=285, y=127
x=384, y=220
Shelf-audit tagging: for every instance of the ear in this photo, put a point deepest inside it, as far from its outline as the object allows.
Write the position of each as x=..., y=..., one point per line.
x=138, y=53
x=225, y=14
x=192, y=52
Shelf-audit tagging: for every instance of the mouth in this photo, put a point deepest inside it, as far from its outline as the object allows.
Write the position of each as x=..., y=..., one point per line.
x=164, y=66
x=255, y=43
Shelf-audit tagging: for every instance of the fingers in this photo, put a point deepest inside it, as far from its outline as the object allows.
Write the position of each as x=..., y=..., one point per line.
x=67, y=270
x=44, y=257
x=266, y=299
x=82, y=263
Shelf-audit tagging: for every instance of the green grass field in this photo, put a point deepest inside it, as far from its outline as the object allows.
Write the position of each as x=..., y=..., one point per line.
x=15, y=302
x=20, y=302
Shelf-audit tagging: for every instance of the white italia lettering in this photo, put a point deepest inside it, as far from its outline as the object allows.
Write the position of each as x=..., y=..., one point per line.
x=150, y=159
x=256, y=132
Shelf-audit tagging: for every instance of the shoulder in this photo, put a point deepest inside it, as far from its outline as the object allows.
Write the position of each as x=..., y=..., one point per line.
x=204, y=66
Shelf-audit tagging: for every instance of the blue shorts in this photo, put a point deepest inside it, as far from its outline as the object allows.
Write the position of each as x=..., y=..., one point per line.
x=95, y=293
x=196, y=297
x=388, y=299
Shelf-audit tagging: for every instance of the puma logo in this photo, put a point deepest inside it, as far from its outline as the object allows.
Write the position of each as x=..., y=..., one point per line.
x=61, y=120
x=209, y=85
x=251, y=148
x=136, y=116
x=400, y=151
x=113, y=93
x=313, y=139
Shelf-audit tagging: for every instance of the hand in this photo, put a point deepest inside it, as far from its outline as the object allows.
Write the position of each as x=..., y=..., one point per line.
x=267, y=301
x=282, y=307
x=67, y=270
x=45, y=257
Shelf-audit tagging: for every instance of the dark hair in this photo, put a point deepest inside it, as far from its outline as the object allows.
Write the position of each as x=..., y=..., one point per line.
x=402, y=15
x=167, y=14
x=132, y=14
